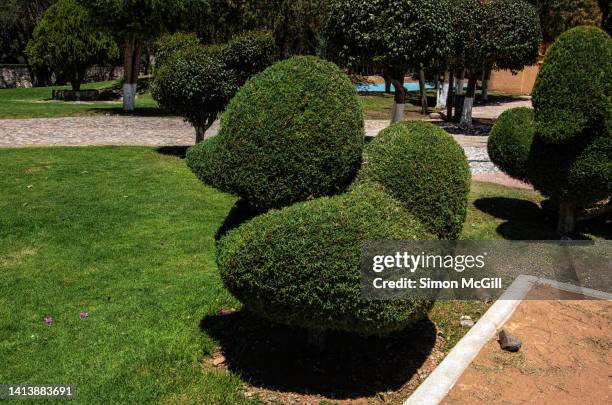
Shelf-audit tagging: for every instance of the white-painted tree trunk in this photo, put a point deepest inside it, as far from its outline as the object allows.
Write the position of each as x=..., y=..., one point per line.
x=397, y=114
x=129, y=96
x=466, y=112
x=442, y=95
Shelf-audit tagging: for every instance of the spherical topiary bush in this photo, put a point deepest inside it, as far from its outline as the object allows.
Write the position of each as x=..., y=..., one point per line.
x=300, y=265
x=292, y=132
x=573, y=92
x=510, y=141
x=425, y=168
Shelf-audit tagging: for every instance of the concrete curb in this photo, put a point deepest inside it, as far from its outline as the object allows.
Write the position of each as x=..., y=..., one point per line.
x=435, y=388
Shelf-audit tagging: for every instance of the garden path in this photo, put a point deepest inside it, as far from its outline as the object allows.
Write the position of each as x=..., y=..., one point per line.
x=165, y=131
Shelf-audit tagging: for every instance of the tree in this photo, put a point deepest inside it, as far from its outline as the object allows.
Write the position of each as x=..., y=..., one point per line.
x=297, y=25
x=66, y=40
x=569, y=135
x=501, y=34
x=17, y=21
x=168, y=44
x=398, y=36
x=197, y=81
x=558, y=16
x=133, y=22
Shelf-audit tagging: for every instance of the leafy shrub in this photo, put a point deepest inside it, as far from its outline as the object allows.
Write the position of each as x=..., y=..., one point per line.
x=168, y=44
x=423, y=167
x=300, y=266
x=195, y=84
x=510, y=141
x=579, y=171
x=293, y=132
x=65, y=39
x=573, y=92
x=249, y=53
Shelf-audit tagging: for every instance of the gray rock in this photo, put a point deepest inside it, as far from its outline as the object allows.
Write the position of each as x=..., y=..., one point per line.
x=509, y=342
x=466, y=321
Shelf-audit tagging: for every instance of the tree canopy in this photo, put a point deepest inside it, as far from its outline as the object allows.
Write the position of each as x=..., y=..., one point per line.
x=558, y=16
x=66, y=40
x=396, y=35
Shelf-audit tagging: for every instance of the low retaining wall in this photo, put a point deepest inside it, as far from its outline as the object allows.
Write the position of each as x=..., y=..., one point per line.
x=13, y=76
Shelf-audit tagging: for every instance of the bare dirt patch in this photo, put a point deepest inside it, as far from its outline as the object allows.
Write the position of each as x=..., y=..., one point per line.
x=565, y=359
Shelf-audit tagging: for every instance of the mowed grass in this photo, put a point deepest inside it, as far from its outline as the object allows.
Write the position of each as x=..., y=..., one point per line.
x=36, y=103
x=126, y=234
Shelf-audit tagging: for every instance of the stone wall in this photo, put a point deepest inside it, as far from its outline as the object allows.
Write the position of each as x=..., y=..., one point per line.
x=12, y=76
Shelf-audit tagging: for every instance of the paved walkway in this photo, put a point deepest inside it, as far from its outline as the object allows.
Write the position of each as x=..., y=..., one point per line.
x=160, y=131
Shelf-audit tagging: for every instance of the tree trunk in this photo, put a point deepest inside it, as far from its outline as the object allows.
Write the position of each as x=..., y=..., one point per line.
x=466, y=112
x=399, y=102
x=131, y=68
x=567, y=218
x=423, y=90
x=200, y=131
x=485, y=85
x=450, y=96
x=387, y=82
x=460, y=81
x=443, y=92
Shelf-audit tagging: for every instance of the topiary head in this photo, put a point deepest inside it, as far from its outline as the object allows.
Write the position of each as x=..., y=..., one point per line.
x=425, y=168
x=510, y=141
x=291, y=133
x=573, y=91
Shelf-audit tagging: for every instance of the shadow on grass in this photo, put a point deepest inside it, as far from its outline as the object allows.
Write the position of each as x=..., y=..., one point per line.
x=279, y=358
x=178, y=151
x=526, y=220
x=138, y=112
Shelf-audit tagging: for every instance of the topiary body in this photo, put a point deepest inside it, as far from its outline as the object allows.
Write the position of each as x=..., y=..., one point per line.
x=510, y=142
x=434, y=186
x=300, y=266
x=293, y=132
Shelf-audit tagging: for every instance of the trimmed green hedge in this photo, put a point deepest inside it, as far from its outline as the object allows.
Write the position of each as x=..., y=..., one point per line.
x=300, y=266
x=422, y=166
x=573, y=91
x=510, y=141
x=291, y=133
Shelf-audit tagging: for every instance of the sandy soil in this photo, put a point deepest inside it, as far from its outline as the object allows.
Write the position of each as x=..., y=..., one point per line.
x=566, y=356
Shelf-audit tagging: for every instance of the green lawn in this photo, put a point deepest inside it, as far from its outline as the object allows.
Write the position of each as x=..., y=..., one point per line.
x=36, y=103
x=127, y=235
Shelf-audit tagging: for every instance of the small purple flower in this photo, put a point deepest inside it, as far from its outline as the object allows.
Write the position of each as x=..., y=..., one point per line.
x=84, y=315
x=48, y=320
x=223, y=312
